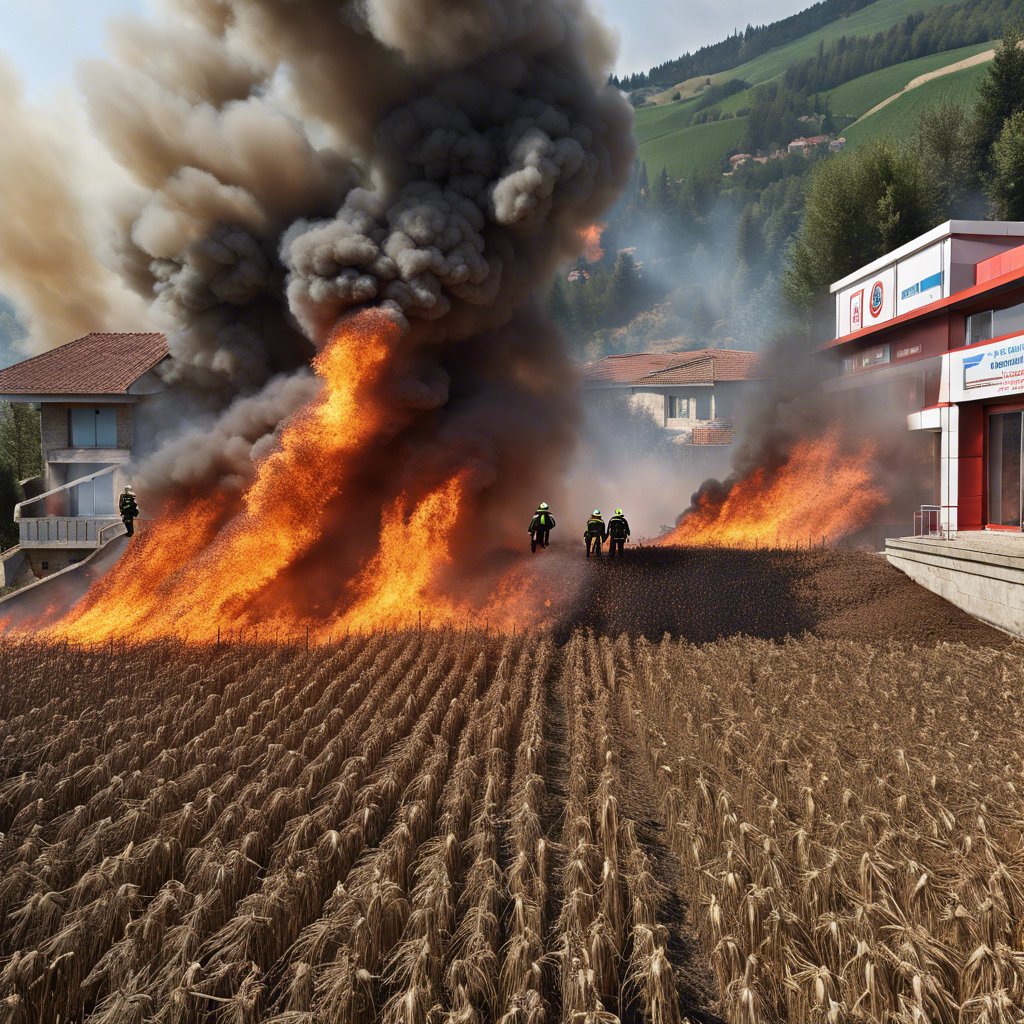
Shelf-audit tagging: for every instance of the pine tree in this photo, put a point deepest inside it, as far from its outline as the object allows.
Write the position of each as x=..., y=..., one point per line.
x=1000, y=95
x=19, y=439
x=859, y=206
x=1006, y=179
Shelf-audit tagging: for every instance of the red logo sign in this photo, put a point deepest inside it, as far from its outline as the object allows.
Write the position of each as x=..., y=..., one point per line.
x=877, y=297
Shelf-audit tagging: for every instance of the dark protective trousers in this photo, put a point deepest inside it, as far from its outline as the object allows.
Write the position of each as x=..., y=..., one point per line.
x=129, y=525
x=616, y=542
x=593, y=544
x=541, y=538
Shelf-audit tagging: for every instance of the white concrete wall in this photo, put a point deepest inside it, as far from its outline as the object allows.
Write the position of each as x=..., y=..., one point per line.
x=986, y=584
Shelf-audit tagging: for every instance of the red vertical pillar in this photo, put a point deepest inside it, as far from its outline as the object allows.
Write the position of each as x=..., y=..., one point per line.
x=971, y=475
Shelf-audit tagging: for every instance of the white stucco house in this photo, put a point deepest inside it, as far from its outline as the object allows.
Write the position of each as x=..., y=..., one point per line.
x=693, y=395
x=88, y=393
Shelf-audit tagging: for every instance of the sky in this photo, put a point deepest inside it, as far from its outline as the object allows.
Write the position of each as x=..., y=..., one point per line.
x=44, y=39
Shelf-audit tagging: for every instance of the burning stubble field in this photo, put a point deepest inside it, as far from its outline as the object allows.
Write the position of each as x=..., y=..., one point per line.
x=457, y=826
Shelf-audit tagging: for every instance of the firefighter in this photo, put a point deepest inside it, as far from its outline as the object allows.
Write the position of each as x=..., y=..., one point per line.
x=595, y=533
x=128, y=508
x=618, y=533
x=540, y=527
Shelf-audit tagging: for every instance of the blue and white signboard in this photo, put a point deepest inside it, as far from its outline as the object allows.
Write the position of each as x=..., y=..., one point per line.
x=919, y=279
x=987, y=372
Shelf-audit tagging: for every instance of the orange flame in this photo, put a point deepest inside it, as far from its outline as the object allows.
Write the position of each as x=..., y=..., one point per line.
x=819, y=494
x=185, y=574
x=591, y=238
x=395, y=587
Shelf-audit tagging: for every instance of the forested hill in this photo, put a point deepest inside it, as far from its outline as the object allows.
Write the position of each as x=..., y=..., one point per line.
x=742, y=46
x=821, y=78
x=759, y=183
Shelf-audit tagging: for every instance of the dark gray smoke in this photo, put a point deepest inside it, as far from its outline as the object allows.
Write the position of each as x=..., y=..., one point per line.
x=301, y=160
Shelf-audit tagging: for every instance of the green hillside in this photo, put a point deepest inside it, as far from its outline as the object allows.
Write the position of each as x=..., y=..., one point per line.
x=689, y=150
x=664, y=131
x=900, y=117
x=857, y=97
x=652, y=122
x=866, y=22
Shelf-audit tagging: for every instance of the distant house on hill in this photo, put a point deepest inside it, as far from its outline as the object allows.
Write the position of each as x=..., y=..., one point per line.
x=87, y=392
x=693, y=395
x=805, y=145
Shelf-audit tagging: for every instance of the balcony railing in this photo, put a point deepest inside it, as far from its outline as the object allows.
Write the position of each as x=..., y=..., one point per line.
x=64, y=530
x=67, y=531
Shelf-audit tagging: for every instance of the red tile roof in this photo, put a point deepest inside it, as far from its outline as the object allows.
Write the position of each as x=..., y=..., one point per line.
x=702, y=366
x=98, y=364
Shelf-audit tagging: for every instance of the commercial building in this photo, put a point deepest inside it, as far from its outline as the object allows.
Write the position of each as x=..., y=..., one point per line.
x=935, y=330
x=691, y=395
x=88, y=393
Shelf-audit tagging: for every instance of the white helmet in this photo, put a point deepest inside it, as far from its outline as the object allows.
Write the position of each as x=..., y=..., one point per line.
x=597, y=512
x=543, y=505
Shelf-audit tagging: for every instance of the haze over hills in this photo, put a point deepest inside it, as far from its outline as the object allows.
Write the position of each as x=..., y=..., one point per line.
x=729, y=141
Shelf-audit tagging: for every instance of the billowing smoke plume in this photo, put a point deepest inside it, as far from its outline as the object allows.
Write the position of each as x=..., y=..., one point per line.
x=48, y=241
x=301, y=162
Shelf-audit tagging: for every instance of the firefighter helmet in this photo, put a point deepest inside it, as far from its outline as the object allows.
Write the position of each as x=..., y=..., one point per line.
x=597, y=512
x=618, y=511
x=543, y=505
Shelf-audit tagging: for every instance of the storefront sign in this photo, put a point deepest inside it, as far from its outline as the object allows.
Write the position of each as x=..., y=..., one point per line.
x=907, y=351
x=919, y=280
x=988, y=372
x=856, y=311
x=870, y=301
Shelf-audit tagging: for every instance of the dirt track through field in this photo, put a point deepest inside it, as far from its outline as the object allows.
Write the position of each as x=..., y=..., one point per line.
x=928, y=76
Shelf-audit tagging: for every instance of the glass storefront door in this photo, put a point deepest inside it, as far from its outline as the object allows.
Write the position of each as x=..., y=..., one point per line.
x=1005, y=454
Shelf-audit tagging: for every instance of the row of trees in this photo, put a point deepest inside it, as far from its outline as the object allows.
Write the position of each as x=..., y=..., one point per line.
x=20, y=459
x=741, y=46
x=919, y=35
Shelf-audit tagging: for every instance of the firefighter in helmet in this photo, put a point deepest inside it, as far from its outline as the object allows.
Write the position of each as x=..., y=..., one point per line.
x=595, y=533
x=128, y=509
x=618, y=533
x=540, y=526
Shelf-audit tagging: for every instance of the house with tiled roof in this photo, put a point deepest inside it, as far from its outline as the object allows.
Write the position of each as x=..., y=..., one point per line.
x=88, y=393
x=693, y=395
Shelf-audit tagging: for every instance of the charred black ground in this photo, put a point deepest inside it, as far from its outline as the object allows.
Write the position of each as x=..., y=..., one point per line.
x=703, y=594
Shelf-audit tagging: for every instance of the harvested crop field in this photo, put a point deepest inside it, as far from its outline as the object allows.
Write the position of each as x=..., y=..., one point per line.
x=458, y=826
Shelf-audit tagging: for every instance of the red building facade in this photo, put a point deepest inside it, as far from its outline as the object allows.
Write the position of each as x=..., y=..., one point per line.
x=935, y=331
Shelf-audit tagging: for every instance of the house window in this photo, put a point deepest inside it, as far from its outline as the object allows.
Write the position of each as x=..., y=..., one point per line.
x=678, y=408
x=703, y=403
x=93, y=428
x=979, y=327
x=995, y=323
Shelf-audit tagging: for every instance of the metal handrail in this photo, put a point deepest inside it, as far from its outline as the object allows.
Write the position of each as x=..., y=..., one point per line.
x=928, y=522
x=57, y=490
